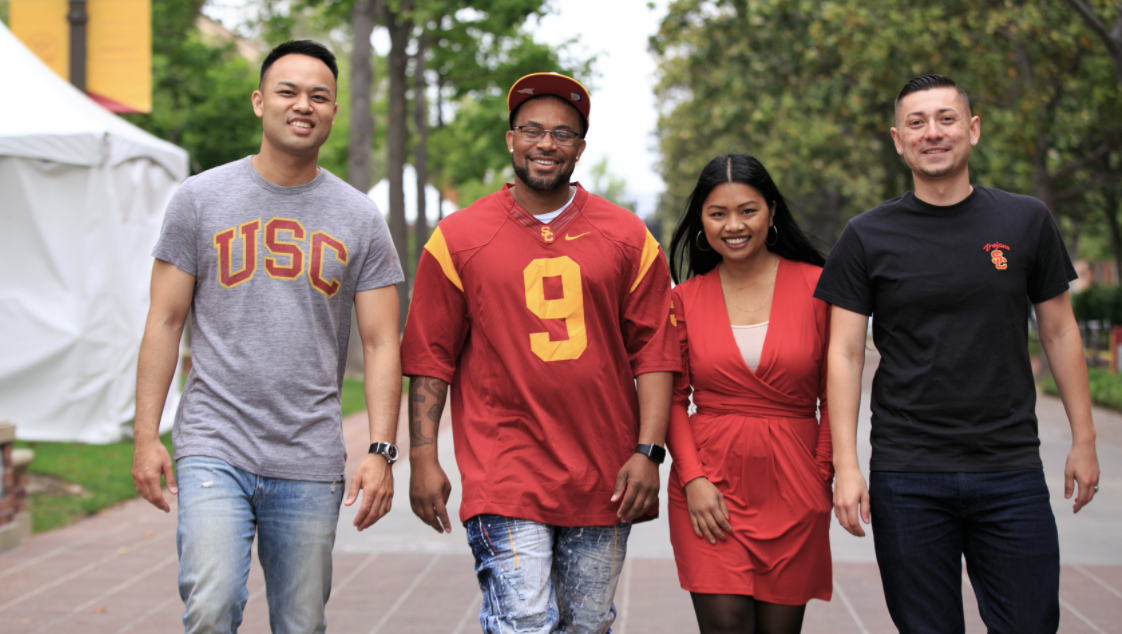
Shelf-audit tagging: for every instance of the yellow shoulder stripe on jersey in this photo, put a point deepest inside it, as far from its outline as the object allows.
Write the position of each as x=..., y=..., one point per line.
x=650, y=253
x=438, y=248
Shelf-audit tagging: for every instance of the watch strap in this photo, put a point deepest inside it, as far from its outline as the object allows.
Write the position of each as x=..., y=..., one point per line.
x=654, y=452
x=388, y=450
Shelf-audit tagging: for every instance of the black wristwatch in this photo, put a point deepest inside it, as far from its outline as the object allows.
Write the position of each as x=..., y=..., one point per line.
x=654, y=452
x=387, y=450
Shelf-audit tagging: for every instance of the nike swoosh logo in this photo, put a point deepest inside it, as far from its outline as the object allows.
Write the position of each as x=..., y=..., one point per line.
x=569, y=237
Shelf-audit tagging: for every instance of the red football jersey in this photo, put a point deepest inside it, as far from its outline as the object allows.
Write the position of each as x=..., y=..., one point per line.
x=541, y=331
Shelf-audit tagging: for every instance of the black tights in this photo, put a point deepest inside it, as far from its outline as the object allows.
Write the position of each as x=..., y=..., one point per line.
x=738, y=614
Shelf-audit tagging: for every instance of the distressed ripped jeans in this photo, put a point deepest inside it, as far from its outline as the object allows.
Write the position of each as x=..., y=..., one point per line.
x=538, y=578
x=221, y=508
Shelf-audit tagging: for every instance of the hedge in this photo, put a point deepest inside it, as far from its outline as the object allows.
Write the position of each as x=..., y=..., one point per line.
x=1106, y=388
x=1098, y=302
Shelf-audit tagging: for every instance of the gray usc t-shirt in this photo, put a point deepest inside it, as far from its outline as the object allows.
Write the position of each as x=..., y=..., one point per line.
x=276, y=270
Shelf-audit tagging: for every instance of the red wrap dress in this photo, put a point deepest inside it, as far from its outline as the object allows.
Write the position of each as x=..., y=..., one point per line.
x=756, y=437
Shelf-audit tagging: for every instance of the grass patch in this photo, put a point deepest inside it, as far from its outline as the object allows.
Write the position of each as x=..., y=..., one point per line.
x=352, y=398
x=105, y=471
x=1106, y=388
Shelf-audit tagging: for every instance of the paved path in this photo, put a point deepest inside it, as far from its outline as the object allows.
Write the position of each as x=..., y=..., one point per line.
x=116, y=572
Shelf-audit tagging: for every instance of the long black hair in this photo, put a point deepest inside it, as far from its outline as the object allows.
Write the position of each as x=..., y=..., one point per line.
x=688, y=260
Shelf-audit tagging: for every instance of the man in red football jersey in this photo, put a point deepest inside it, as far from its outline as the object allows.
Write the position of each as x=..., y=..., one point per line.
x=548, y=309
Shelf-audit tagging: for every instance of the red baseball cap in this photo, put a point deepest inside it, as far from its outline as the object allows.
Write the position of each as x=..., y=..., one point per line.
x=537, y=84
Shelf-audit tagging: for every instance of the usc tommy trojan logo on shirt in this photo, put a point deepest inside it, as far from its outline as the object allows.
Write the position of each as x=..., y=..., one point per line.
x=282, y=239
x=997, y=255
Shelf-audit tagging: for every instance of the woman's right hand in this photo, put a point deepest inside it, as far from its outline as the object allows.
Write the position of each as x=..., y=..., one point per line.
x=708, y=513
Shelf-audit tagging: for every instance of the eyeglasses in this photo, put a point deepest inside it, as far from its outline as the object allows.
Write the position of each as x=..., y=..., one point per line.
x=535, y=134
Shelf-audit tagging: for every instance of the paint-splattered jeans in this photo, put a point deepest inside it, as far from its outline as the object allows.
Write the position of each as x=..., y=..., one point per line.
x=538, y=578
x=220, y=509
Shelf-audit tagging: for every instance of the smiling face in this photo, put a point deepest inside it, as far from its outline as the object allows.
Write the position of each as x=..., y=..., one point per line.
x=296, y=104
x=934, y=133
x=736, y=219
x=545, y=166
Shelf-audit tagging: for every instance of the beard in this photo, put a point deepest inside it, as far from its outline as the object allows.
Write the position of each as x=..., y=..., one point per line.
x=542, y=184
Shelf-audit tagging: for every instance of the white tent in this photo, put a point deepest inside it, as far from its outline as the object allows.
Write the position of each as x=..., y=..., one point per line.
x=82, y=194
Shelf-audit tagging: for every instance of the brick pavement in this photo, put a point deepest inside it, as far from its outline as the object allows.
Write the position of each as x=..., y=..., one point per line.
x=116, y=572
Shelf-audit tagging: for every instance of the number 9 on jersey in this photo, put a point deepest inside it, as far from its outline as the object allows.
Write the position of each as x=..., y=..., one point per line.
x=570, y=307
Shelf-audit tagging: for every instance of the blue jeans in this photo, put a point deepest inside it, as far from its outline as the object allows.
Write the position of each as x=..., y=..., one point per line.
x=538, y=578
x=924, y=523
x=220, y=509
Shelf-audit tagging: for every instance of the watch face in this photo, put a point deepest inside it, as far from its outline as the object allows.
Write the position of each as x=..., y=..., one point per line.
x=391, y=452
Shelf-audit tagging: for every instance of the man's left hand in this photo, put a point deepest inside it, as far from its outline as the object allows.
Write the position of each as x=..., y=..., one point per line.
x=1082, y=468
x=374, y=478
x=637, y=486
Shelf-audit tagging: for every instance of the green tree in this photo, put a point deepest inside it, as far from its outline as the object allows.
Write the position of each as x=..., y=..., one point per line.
x=471, y=55
x=808, y=88
x=609, y=186
x=200, y=92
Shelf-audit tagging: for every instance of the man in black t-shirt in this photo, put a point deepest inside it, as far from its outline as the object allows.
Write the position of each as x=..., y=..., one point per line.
x=948, y=272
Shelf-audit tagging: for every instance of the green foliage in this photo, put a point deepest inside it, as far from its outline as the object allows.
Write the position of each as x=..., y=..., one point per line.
x=808, y=88
x=1106, y=388
x=200, y=92
x=104, y=471
x=477, y=56
x=474, y=55
x=1098, y=302
x=352, y=398
x=609, y=186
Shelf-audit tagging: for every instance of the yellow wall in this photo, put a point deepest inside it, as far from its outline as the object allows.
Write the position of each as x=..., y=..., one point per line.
x=119, y=49
x=118, y=44
x=42, y=27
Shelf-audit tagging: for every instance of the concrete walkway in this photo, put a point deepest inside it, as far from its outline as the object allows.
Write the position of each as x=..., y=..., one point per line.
x=116, y=572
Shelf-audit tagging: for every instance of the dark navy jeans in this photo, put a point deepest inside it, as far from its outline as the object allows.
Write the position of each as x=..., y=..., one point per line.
x=923, y=525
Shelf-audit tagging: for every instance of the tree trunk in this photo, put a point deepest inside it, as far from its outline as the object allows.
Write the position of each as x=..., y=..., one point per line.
x=1111, y=209
x=396, y=136
x=360, y=143
x=420, y=147
x=439, y=126
x=1042, y=185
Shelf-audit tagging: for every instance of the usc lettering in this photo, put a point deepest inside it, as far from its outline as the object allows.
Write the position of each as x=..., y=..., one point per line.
x=315, y=271
x=285, y=259
x=223, y=243
x=277, y=246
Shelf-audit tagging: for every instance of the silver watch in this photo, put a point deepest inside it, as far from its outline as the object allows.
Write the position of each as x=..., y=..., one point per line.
x=387, y=450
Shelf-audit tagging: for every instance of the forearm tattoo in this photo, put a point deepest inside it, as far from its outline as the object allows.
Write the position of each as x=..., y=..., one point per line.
x=426, y=396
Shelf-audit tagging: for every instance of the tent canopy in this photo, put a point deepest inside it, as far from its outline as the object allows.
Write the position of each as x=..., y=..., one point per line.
x=57, y=122
x=82, y=196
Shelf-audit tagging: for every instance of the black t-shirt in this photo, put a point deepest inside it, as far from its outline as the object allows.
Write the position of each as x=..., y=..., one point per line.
x=949, y=290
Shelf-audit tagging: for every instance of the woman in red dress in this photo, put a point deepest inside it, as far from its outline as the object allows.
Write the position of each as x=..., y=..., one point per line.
x=750, y=485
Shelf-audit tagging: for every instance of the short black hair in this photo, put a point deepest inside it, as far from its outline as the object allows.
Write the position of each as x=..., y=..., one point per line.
x=930, y=82
x=583, y=121
x=301, y=47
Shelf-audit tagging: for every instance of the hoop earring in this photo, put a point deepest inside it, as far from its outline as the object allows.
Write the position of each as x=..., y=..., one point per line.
x=772, y=243
x=697, y=241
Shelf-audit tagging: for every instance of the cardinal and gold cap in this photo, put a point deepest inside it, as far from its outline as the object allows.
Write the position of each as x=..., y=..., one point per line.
x=537, y=84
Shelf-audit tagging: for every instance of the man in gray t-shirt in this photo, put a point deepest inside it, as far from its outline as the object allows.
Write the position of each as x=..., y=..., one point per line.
x=271, y=254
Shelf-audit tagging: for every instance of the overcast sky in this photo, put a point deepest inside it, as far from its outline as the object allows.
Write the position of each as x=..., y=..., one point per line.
x=623, y=116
